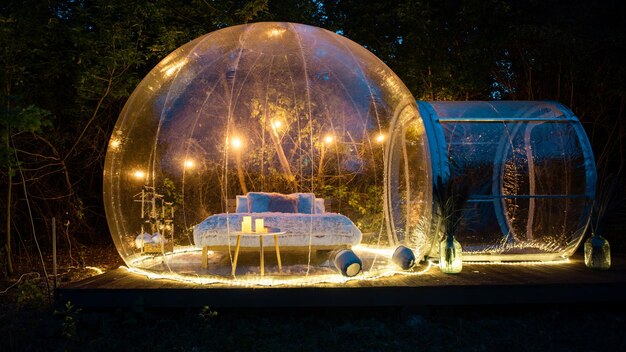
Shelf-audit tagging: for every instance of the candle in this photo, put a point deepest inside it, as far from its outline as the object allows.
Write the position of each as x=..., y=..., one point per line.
x=246, y=224
x=259, y=226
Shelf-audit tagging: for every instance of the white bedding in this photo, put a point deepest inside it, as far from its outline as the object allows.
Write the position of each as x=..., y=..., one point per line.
x=301, y=230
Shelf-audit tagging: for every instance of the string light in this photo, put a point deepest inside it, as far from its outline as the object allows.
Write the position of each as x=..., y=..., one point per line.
x=525, y=263
x=296, y=281
x=380, y=138
x=329, y=139
x=255, y=280
x=96, y=269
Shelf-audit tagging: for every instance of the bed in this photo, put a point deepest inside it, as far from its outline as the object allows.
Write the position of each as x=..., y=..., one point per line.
x=306, y=224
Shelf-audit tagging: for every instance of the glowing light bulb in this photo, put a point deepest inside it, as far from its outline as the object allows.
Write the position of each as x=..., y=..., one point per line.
x=329, y=139
x=277, y=124
x=139, y=174
x=380, y=138
x=115, y=143
x=236, y=143
x=189, y=164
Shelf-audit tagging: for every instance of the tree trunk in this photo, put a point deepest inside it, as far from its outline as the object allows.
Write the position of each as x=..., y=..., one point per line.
x=284, y=163
x=8, y=245
x=240, y=175
x=320, y=167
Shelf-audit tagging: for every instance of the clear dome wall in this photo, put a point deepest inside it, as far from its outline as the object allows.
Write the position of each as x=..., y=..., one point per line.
x=271, y=107
x=408, y=186
x=530, y=172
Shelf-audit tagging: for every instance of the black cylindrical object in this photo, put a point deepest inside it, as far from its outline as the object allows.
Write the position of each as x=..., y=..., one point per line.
x=348, y=263
x=403, y=257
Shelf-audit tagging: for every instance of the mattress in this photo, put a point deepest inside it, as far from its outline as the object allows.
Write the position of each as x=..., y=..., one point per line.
x=301, y=230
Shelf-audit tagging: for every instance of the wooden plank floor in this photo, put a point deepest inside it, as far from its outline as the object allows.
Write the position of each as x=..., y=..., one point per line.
x=476, y=285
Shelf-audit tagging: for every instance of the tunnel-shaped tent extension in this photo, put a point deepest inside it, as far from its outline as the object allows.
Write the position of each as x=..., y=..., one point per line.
x=530, y=171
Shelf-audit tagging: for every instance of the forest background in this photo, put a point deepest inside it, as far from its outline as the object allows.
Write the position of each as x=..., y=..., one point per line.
x=68, y=67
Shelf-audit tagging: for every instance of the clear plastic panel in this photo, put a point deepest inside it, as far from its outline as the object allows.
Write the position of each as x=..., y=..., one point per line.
x=409, y=184
x=530, y=173
x=265, y=107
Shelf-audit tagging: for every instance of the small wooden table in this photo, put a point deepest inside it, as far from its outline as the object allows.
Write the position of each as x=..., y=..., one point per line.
x=260, y=236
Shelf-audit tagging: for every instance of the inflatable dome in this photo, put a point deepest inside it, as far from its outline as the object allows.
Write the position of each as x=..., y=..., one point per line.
x=257, y=152
x=280, y=153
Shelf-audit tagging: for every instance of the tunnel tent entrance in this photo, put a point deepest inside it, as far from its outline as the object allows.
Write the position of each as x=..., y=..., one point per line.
x=530, y=171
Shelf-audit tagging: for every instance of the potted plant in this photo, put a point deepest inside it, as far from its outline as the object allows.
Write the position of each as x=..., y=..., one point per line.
x=450, y=197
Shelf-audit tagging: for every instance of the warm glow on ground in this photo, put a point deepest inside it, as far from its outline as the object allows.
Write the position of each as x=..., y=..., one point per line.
x=247, y=280
x=293, y=281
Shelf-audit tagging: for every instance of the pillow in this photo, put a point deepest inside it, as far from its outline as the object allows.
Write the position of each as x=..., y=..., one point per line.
x=283, y=203
x=305, y=202
x=158, y=238
x=319, y=206
x=242, y=204
x=147, y=238
x=258, y=202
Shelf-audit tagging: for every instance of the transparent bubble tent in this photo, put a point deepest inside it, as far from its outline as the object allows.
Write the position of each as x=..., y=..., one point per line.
x=280, y=153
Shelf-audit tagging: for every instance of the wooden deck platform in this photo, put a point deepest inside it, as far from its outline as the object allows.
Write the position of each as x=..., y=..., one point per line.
x=476, y=285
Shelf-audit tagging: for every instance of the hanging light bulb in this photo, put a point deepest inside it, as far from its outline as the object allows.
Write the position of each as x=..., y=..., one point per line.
x=138, y=174
x=380, y=138
x=277, y=124
x=329, y=139
x=189, y=164
x=236, y=143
